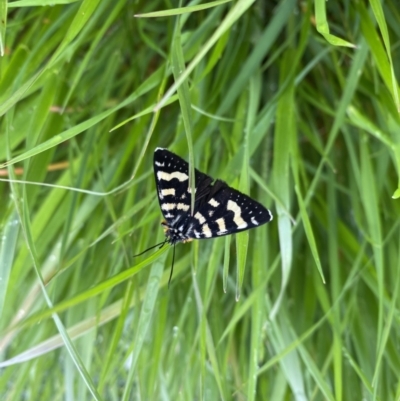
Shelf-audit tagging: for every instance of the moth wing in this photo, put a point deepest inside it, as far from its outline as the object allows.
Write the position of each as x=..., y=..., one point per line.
x=172, y=182
x=228, y=211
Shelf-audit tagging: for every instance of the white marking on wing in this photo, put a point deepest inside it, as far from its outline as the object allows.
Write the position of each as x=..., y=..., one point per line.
x=221, y=226
x=168, y=206
x=159, y=164
x=171, y=206
x=254, y=221
x=189, y=230
x=162, y=175
x=173, y=222
x=196, y=234
x=169, y=216
x=213, y=202
x=169, y=191
x=199, y=217
x=206, y=231
x=183, y=206
x=237, y=218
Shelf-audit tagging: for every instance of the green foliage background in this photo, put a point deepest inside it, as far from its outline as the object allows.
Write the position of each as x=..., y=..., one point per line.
x=292, y=102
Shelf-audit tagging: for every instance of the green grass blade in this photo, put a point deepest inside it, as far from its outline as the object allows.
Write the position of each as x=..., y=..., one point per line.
x=9, y=238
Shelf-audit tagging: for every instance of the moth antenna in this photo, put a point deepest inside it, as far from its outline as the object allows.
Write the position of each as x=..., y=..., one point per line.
x=172, y=267
x=148, y=249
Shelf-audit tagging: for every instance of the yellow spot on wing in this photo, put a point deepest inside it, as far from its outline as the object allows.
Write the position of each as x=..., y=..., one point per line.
x=171, y=206
x=221, y=226
x=206, y=231
x=237, y=218
x=162, y=175
x=169, y=191
x=213, y=202
x=200, y=217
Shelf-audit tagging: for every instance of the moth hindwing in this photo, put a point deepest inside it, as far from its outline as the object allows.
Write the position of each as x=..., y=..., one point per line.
x=218, y=210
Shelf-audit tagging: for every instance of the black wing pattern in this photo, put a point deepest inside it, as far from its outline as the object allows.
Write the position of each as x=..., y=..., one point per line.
x=219, y=209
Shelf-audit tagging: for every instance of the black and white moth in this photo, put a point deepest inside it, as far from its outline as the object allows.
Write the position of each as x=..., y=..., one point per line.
x=218, y=209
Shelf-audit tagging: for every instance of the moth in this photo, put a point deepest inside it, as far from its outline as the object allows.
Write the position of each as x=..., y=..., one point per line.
x=218, y=208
